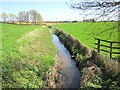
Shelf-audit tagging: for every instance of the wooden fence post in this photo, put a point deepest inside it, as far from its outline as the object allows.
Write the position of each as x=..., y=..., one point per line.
x=99, y=45
x=111, y=50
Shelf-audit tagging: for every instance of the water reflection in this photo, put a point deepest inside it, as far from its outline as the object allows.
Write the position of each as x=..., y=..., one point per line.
x=69, y=71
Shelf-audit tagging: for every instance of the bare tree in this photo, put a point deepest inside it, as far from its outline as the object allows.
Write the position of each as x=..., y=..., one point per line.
x=27, y=17
x=39, y=19
x=12, y=18
x=23, y=17
x=20, y=17
x=34, y=15
x=4, y=16
x=99, y=10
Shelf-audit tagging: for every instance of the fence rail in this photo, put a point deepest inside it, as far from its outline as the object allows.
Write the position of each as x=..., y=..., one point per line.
x=111, y=43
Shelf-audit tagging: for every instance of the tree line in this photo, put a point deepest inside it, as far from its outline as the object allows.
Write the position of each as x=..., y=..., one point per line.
x=23, y=16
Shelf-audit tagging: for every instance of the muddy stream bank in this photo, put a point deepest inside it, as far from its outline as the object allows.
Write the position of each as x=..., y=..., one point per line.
x=69, y=71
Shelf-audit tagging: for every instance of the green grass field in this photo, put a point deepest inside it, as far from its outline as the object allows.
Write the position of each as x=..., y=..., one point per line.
x=27, y=53
x=85, y=32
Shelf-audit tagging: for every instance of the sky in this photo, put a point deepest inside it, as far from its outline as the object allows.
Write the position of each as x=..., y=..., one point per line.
x=50, y=10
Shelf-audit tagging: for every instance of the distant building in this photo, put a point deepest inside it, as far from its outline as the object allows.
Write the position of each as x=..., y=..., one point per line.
x=64, y=21
x=49, y=21
x=74, y=21
x=88, y=20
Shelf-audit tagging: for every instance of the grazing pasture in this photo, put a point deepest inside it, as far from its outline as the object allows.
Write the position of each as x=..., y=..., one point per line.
x=27, y=54
x=86, y=32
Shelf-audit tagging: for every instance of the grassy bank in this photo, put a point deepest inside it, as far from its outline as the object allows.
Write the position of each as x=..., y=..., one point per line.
x=27, y=53
x=85, y=32
x=97, y=71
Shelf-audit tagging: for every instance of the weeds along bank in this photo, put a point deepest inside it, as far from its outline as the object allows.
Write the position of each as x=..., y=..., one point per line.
x=86, y=32
x=97, y=70
x=27, y=55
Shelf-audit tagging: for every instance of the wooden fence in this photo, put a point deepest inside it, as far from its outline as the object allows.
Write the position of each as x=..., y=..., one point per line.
x=111, y=43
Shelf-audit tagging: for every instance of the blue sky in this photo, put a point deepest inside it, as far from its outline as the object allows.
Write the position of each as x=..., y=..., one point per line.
x=50, y=10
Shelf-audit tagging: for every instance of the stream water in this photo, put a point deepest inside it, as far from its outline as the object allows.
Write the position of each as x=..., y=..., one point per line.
x=69, y=71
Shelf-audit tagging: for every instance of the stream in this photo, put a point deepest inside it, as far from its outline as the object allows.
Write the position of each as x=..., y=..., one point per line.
x=69, y=70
